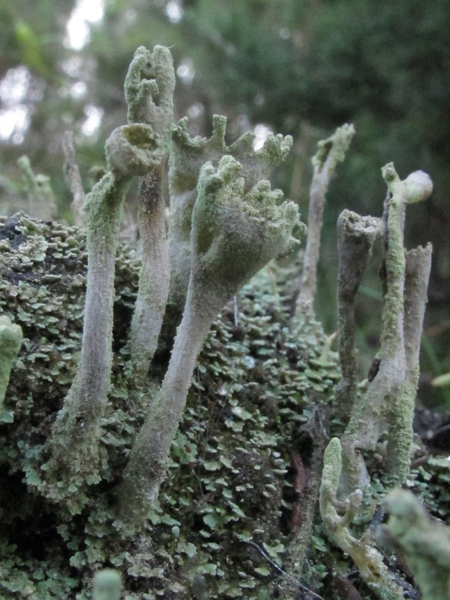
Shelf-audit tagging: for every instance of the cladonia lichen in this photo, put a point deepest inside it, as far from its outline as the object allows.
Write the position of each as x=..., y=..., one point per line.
x=204, y=485
x=10, y=341
x=386, y=409
x=424, y=544
x=234, y=234
x=131, y=150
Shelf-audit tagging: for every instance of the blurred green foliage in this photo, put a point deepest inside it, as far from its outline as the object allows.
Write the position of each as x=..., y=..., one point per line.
x=301, y=67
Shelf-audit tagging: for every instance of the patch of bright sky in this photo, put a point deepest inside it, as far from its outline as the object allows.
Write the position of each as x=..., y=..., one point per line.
x=94, y=118
x=14, y=118
x=78, y=89
x=261, y=133
x=186, y=71
x=85, y=12
x=174, y=11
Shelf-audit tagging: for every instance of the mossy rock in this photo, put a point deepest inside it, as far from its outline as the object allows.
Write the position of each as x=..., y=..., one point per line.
x=228, y=494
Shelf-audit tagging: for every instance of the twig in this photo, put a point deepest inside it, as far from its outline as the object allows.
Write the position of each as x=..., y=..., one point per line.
x=280, y=570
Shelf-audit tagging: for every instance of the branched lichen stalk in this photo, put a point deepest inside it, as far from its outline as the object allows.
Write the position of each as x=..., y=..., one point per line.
x=10, y=341
x=73, y=179
x=366, y=557
x=356, y=236
x=329, y=153
x=149, y=88
x=234, y=234
x=423, y=543
x=130, y=151
x=418, y=267
x=186, y=159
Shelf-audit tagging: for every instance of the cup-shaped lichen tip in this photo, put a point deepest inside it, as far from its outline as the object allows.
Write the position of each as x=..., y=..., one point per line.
x=415, y=188
x=389, y=173
x=133, y=150
x=240, y=231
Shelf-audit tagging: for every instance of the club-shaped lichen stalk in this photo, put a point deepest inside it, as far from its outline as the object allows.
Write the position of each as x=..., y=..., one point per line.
x=234, y=234
x=131, y=150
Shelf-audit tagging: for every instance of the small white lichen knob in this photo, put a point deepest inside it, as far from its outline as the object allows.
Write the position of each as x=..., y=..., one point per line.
x=418, y=186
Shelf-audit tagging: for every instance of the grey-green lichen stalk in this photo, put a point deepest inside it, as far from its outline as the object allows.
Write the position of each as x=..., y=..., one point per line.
x=356, y=237
x=10, y=341
x=384, y=407
x=401, y=414
x=130, y=150
x=330, y=152
x=149, y=88
x=234, y=234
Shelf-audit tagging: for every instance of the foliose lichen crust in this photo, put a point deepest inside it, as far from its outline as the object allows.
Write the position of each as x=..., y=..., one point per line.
x=251, y=394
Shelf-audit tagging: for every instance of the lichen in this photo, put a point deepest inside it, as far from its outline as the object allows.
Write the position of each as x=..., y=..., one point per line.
x=367, y=558
x=130, y=150
x=10, y=341
x=186, y=159
x=387, y=407
x=329, y=153
x=149, y=87
x=253, y=388
x=193, y=487
x=425, y=544
x=234, y=234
